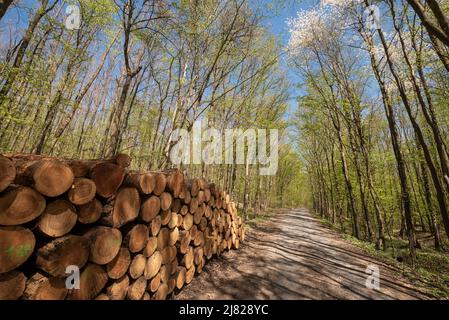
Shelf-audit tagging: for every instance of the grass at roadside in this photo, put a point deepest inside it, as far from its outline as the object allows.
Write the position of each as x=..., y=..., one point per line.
x=256, y=219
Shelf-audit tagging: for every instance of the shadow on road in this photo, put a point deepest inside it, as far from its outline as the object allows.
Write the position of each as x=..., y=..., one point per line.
x=294, y=256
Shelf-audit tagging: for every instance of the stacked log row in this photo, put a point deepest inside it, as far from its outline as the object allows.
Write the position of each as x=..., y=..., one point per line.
x=132, y=235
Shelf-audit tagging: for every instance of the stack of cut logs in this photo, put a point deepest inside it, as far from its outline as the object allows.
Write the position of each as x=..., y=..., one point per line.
x=132, y=235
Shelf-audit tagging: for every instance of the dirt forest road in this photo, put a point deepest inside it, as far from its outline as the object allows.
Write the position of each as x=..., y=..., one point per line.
x=295, y=256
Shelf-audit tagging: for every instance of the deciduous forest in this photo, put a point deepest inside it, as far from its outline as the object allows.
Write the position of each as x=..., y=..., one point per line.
x=358, y=90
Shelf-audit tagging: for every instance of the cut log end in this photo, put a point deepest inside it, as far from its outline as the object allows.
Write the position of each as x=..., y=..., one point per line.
x=58, y=219
x=107, y=177
x=105, y=244
x=20, y=205
x=7, y=172
x=17, y=245
x=92, y=280
x=82, y=191
x=12, y=285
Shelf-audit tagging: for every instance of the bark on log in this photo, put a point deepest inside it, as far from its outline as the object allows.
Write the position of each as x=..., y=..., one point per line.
x=143, y=182
x=56, y=256
x=122, y=160
x=40, y=287
x=51, y=178
x=126, y=208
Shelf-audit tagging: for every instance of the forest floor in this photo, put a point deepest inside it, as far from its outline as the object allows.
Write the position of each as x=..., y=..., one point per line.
x=293, y=255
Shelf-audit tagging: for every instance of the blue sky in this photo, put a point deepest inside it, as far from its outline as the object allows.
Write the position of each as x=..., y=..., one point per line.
x=277, y=24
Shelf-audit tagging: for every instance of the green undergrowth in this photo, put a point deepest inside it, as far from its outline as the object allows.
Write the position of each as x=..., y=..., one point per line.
x=255, y=219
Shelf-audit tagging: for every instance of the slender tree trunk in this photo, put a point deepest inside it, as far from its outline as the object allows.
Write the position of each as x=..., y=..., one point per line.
x=4, y=4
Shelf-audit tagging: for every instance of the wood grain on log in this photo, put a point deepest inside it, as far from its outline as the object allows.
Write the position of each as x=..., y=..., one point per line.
x=136, y=239
x=105, y=244
x=118, y=267
x=12, y=285
x=118, y=289
x=82, y=191
x=7, y=172
x=41, y=287
x=126, y=208
x=108, y=177
x=150, y=208
x=153, y=265
x=58, y=218
x=20, y=205
x=51, y=178
x=143, y=182
x=16, y=245
x=92, y=280
x=90, y=212
x=137, y=266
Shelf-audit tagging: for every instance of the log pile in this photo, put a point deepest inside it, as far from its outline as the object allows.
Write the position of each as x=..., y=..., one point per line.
x=133, y=235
